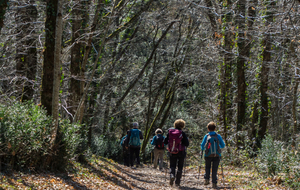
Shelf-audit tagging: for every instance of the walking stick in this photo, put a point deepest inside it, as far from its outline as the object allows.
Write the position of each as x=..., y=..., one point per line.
x=222, y=171
x=184, y=166
x=166, y=167
x=201, y=155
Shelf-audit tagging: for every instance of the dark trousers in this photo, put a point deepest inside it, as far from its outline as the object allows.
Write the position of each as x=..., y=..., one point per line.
x=177, y=160
x=214, y=161
x=126, y=157
x=134, y=151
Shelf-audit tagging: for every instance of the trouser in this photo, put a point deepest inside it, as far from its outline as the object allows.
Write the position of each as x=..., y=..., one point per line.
x=158, y=155
x=134, y=151
x=177, y=160
x=126, y=157
x=214, y=161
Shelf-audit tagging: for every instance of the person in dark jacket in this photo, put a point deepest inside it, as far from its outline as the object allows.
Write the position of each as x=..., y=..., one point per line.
x=212, y=159
x=125, y=150
x=134, y=144
x=158, y=142
x=177, y=158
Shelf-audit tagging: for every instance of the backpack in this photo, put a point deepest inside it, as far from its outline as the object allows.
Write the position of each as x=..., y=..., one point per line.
x=134, y=137
x=174, y=145
x=123, y=141
x=212, y=146
x=160, y=142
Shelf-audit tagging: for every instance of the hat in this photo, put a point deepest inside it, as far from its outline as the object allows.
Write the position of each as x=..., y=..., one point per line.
x=135, y=124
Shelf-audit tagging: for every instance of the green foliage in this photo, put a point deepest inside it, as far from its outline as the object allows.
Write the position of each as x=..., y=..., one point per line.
x=108, y=147
x=25, y=132
x=26, y=135
x=276, y=159
x=71, y=137
x=270, y=155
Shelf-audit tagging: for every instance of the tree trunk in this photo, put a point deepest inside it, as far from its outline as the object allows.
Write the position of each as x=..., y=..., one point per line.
x=48, y=66
x=3, y=5
x=57, y=74
x=226, y=111
x=264, y=116
x=241, y=62
x=75, y=57
x=26, y=55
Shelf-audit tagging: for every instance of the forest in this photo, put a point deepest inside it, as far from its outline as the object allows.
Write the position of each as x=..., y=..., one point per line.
x=75, y=75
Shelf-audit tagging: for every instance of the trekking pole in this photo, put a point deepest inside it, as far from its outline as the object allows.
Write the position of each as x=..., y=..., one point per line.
x=151, y=157
x=184, y=166
x=222, y=171
x=201, y=155
x=166, y=167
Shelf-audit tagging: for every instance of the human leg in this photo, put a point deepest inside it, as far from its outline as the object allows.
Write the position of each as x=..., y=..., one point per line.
x=215, y=165
x=173, y=162
x=156, y=151
x=161, y=158
x=207, y=168
x=180, y=168
x=131, y=153
x=137, y=153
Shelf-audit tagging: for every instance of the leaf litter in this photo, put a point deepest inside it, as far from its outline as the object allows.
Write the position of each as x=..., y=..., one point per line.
x=103, y=173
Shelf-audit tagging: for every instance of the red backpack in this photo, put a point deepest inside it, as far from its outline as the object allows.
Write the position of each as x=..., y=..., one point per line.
x=174, y=144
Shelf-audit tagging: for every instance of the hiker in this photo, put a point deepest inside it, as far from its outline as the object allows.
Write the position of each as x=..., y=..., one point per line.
x=158, y=142
x=125, y=150
x=212, y=144
x=177, y=142
x=134, y=143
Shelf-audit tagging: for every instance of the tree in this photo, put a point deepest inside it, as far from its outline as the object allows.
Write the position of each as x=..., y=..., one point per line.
x=264, y=75
x=3, y=5
x=48, y=66
x=26, y=56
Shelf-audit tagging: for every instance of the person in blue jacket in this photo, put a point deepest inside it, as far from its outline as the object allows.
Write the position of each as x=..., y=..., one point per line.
x=158, y=142
x=212, y=144
x=125, y=150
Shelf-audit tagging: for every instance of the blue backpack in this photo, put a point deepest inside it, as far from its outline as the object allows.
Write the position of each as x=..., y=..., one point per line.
x=212, y=146
x=134, y=137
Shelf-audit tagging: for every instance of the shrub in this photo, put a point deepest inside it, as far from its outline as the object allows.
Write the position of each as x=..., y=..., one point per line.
x=26, y=133
x=269, y=156
x=107, y=147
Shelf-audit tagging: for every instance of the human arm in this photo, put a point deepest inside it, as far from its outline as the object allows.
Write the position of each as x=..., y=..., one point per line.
x=141, y=135
x=166, y=141
x=221, y=142
x=185, y=140
x=203, y=143
x=153, y=142
x=121, y=143
x=127, y=139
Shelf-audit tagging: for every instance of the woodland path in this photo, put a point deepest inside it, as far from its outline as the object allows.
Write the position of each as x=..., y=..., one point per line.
x=146, y=177
x=102, y=173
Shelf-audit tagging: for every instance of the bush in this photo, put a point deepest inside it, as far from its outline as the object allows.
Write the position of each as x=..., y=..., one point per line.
x=108, y=147
x=270, y=156
x=26, y=133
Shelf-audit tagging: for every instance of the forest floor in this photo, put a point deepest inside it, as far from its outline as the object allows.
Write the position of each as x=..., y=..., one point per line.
x=102, y=173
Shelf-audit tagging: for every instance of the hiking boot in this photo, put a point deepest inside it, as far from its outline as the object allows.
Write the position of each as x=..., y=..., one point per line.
x=206, y=182
x=172, y=177
x=214, y=185
x=177, y=185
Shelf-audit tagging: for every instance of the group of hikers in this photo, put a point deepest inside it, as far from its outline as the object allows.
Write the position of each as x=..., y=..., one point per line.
x=176, y=142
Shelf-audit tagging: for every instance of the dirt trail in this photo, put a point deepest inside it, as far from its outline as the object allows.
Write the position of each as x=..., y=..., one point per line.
x=148, y=178
x=102, y=173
